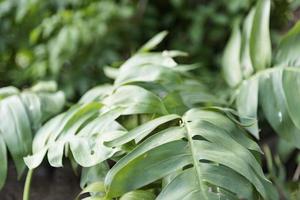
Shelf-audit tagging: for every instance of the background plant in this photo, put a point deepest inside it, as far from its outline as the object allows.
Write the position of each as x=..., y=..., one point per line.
x=22, y=114
x=71, y=41
x=270, y=90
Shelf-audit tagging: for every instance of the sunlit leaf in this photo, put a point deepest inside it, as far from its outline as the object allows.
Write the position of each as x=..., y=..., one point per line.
x=246, y=63
x=260, y=41
x=231, y=66
x=153, y=42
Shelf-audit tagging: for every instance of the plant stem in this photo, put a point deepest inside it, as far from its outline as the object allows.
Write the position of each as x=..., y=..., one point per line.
x=26, y=192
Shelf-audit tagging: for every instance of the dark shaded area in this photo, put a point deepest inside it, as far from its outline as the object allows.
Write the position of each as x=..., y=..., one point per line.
x=47, y=184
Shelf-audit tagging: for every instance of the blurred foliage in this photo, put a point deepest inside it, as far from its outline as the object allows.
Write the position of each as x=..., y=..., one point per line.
x=70, y=41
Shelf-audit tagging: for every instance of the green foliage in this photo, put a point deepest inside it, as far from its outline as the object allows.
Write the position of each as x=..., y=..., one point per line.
x=71, y=41
x=158, y=131
x=274, y=89
x=174, y=153
x=272, y=93
x=22, y=113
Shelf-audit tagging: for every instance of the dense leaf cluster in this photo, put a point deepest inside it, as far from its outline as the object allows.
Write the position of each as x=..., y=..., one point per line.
x=158, y=131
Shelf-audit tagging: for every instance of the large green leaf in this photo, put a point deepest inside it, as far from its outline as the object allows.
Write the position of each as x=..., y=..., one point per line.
x=84, y=128
x=183, y=185
x=237, y=133
x=206, y=151
x=117, y=178
x=15, y=129
x=277, y=96
x=260, y=41
x=24, y=114
x=58, y=132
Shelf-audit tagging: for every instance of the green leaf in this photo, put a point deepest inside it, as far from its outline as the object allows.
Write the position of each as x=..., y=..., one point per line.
x=260, y=41
x=174, y=103
x=229, y=126
x=147, y=73
x=33, y=108
x=291, y=87
x=96, y=94
x=183, y=186
x=247, y=104
x=8, y=91
x=55, y=134
x=51, y=103
x=136, y=100
x=89, y=151
x=231, y=58
x=3, y=158
x=39, y=146
x=288, y=49
x=82, y=129
x=94, y=187
x=273, y=101
x=161, y=59
x=16, y=130
x=153, y=42
x=246, y=63
x=138, y=195
x=166, y=156
x=201, y=161
x=93, y=174
x=141, y=131
x=44, y=86
x=111, y=72
x=81, y=116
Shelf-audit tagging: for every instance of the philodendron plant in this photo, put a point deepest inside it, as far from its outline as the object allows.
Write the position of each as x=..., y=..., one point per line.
x=269, y=83
x=21, y=115
x=274, y=89
x=156, y=133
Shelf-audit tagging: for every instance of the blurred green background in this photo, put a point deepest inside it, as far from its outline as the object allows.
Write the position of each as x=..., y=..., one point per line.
x=71, y=41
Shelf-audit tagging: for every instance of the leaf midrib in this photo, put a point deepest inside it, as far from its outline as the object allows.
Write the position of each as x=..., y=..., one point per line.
x=195, y=160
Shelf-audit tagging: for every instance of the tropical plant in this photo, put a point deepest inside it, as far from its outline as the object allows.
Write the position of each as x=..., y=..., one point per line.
x=159, y=132
x=162, y=145
x=22, y=114
x=274, y=90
